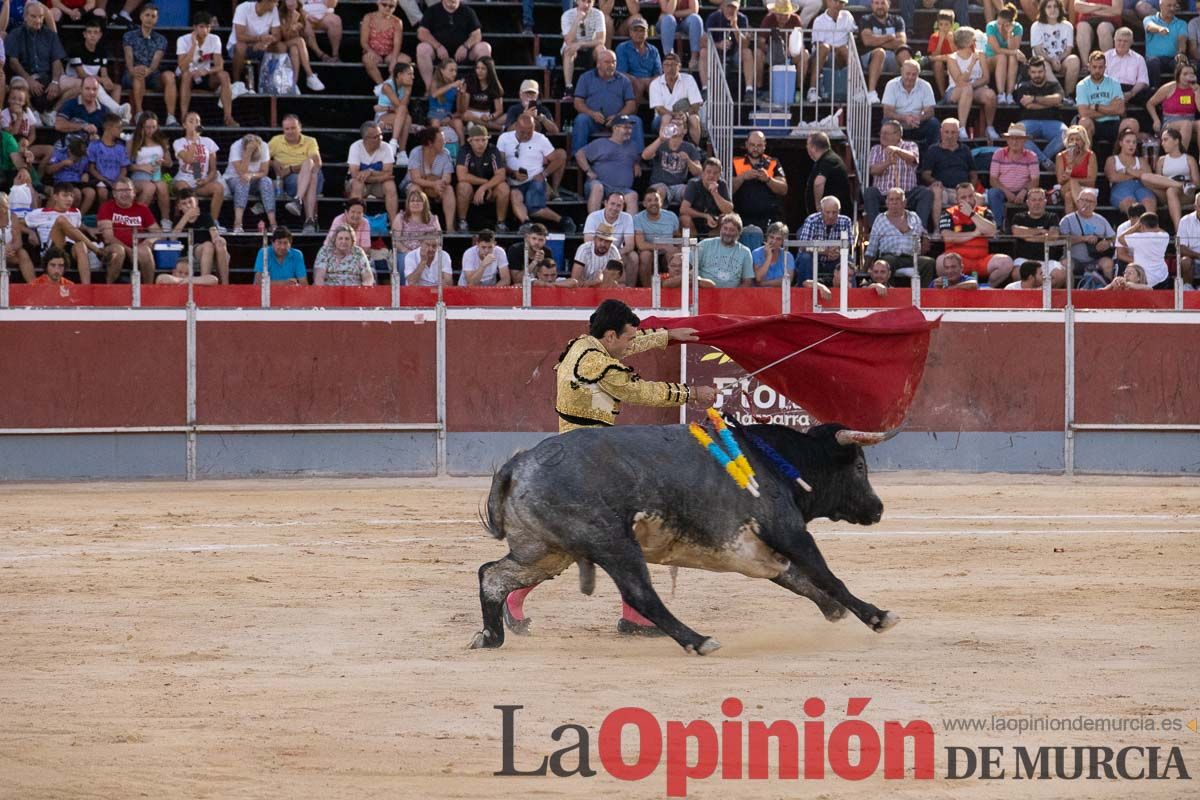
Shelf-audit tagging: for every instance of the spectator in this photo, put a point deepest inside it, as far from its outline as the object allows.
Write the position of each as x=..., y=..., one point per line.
x=941, y=49
x=354, y=218
x=1130, y=178
x=321, y=17
x=675, y=96
x=828, y=176
x=22, y=122
x=89, y=57
x=35, y=53
x=620, y=222
x=82, y=113
x=1166, y=38
x=54, y=262
x=482, y=178
x=611, y=165
x=1090, y=236
x=1128, y=67
x=1148, y=243
x=759, y=186
x=280, y=261
x=200, y=64
x=831, y=34
x=108, y=158
x=952, y=277
x=429, y=265
x=602, y=97
x=728, y=30
x=639, y=60
x=249, y=171
x=343, y=263
x=969, y=83
x=1041, y=100
x=532, y=163
x=370, y=165
x=1052, y=37
x=530, y=250
x=294, y=36
x=893, y=164
x=613, y=275
x=443, y=97
x=773, y=264
x=380, y=37
x=780, y=23
x=181, y=274
x=1013, y=173
x=652, y=226
x=909, y=100
x=961, y=10
x=547, y=275
x=449, y=29
x=878, y=278
x=584, y=33
x=149, y=153
x=69, y=167
x=897, y=236
x=12, y=231
x=1101, y=17
x=197, y=156
x=706, y=202
x=210, y=247
x=431, y=168
x=722, y=260
x=144, y=50
x=416, y=223
x=1032, y=229
x=296, y=159
x=828, y=224
x=1187, y=245
x=966, y=229
x=673, y=163
x=1180, y=168
x=485, y=264
x=674, y=15
x=1179, y=101
x=543, y=117
x=1101, y=101
x=947, y=164
x=256, y=28
x=885, y=44
x=118, y=220
x=1134, y=277
x=1075, y=166
x=11, y=158
x=1003, y=51
x=74, y=10
x=1029, y=277
x=392, y=111
x=59, y=224
x=482, y=101
x=593, y=256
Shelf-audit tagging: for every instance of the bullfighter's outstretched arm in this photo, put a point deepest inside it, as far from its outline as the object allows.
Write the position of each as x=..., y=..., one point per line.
x=648, y=340
x=622, y=383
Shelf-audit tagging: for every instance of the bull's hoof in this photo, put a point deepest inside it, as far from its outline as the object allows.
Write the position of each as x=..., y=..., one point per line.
x=881, y=624
x=518, y=626
x=709, y=645
x=628, y=628
x=484, y=639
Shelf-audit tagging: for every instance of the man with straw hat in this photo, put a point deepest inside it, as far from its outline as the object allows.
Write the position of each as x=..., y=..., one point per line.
x=1014, y=172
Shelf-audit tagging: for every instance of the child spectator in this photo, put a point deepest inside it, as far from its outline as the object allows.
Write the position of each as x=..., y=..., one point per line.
x=108, y=158
x=198, y=163
x=88, y=57
x=145, y=49
x=149, y=152
x=69, y=167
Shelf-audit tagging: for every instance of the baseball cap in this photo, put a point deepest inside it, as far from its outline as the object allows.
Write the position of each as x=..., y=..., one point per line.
x=624, y=119
x=639, y=22
x=529, y=85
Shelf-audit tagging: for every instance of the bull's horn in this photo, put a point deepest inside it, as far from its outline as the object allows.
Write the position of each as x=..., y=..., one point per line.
x=865, y=438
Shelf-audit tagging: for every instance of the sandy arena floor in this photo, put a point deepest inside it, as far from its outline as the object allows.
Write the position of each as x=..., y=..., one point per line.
x=307, y=638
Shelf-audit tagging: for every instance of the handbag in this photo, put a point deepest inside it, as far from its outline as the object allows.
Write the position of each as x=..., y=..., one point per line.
x=276, y=77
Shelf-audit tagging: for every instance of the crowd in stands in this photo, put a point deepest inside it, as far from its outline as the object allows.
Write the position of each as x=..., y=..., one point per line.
x=443, y=151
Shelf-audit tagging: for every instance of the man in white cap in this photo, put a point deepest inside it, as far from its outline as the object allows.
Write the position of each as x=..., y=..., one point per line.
x=543, y=117
x=639, y=59
x=675, y=96
x=1013, y=173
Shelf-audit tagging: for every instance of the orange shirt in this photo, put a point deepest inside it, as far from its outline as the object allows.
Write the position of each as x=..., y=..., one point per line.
x=44, y=280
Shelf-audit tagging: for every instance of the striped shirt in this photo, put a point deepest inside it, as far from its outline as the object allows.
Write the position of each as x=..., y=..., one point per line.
x=814, y=229
x=901, y=173
x=1011, y=173
x=887, y=239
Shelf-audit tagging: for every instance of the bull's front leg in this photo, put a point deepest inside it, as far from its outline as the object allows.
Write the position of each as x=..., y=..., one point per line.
x=794, y=580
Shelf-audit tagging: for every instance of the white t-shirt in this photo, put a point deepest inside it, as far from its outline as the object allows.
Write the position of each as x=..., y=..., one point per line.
x=147, y=155
x=256, y=24
x=237, y=152
x=43, y=219
x=202, y=64
x=491, y=272
x=835, y=32
x=1189, y=230
x=685, y=89
x=359, y=156
x=202, y=149
x=533, y=152
x=621, y=228
x=429, y=275
x=1054, y=38
x=1148, y=249
x=593, y=264
x=591, y=29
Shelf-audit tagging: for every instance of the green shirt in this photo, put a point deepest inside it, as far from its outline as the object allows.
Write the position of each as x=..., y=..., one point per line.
x=727, y=267
x=8, y=146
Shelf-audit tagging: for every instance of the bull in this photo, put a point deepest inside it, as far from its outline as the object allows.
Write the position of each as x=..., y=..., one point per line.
x=624, y=497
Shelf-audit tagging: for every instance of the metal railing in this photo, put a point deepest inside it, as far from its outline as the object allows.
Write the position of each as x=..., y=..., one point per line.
x=858, y=116
x=720, y=109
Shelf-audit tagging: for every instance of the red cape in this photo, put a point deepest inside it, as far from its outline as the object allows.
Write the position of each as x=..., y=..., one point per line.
x=864, y=377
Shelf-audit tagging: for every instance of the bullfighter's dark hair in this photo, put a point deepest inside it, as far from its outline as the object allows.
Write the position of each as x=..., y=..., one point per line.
x=611, y=315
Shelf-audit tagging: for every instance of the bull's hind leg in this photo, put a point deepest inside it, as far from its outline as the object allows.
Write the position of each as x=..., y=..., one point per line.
x=627, y=568
x=794, y=580
x=496, y=580
x=802, y=550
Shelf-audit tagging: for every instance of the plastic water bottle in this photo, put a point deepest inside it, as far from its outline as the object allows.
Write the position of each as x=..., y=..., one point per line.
x=278, y=186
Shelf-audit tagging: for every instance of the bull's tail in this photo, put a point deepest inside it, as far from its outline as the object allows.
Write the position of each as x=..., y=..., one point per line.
x=492, y=516
x=587, y=576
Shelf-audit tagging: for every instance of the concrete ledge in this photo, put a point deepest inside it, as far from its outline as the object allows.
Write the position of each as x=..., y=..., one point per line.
x=1141, y=452
x=102, y=456
x=400, y=453
x=1039, y=451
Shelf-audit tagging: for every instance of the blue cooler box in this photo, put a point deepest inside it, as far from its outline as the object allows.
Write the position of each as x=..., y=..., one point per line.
x=166, y=255
x=783, y=84
x=771, y=119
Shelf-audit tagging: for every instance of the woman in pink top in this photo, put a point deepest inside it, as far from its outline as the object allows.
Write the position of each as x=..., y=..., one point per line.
x=1178, y=99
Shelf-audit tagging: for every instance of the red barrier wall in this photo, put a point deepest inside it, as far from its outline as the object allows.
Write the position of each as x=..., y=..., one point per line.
x=1137, y=374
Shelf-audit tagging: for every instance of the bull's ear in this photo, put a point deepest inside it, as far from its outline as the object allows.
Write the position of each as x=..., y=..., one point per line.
x=865, y=438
